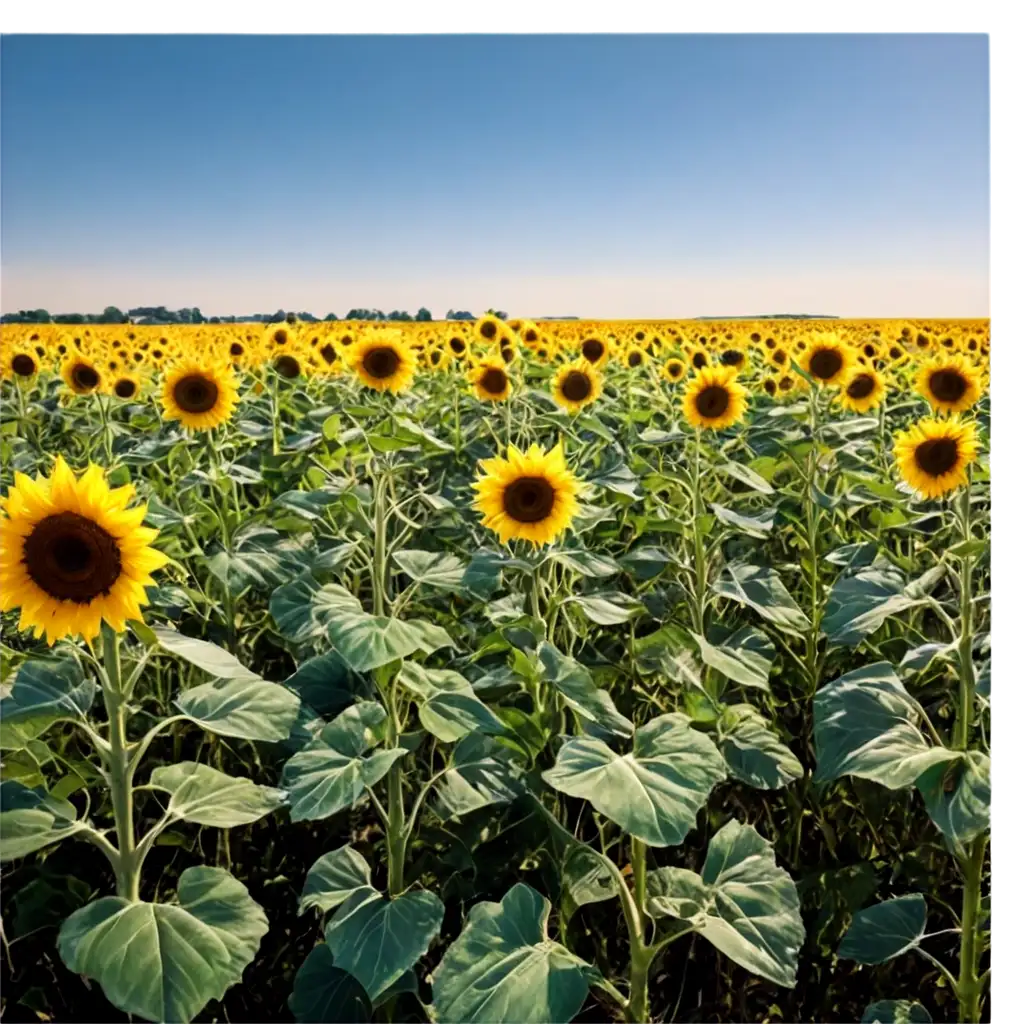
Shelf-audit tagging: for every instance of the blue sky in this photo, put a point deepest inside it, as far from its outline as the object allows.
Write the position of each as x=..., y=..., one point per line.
x=588, y=175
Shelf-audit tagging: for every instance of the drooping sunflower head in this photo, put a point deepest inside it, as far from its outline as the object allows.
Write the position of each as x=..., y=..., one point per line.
x=530, y=496
x=576, y=385
x=81, y=374
x=490, y=380
x=949, y=383
x=199, y=394
x=714, y=399
x=826, y=359
x=863, y=390
x=673, y=369
x=72, y=553
x=383, y=362
x=933, y=455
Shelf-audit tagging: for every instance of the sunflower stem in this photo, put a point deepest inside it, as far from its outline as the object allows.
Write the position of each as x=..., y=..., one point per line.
x=969, y=984
x=275, y=424
x=811, y=514
x=700, y=565
x=965, y=708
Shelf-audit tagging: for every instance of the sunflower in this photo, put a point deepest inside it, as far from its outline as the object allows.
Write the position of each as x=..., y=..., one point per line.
x=576, y=385
x=826, y=359
x=384, y=363
x=933, y=455
x=529, y=496
x=289, y=365
x=595, y=351
x=458, y=346
x=863, y=390
x=20, y=364
x=634, y=356
x=201, y=394
x=81, y=375
x=714, y=399
x=488, y=329
x=734, y=357
x=125, y=385
x=949, y=383
x=72, y=553
x=673, y=369
x=490, y=380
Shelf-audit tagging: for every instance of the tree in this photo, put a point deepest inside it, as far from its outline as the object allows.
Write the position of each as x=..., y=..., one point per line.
x=331, y=317
x=461, y=315
x=112, y=315
x=423, y=316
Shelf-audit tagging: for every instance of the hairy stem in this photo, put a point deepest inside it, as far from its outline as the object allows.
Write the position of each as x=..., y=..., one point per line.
x=969, y=984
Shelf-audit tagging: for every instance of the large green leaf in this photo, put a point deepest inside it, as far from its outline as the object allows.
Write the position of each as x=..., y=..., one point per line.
x=753, y=751
x=435, y=569
x=483, y=773
x=866, y=724
x=885, y=930
x=655, y=791
x=758, y=525
x=859, y=604
x=586, y=878
x=608, y=609
x=503, y=969
x=587, y=563
x=747, y=476
x=958, y=795
x=742, y=902
x=291, y=607
x=745, y=656
x=43, y=691
x=325, y=683
x=260, y=558
x=575, y=684
x=448, y=707
x=333, y=878
x=249, y=709
x=762, y=589
x=896, y=1011
x=209, y=657
x=206, y=796
x=325, y=994
x=31, y=819
x=164, y=961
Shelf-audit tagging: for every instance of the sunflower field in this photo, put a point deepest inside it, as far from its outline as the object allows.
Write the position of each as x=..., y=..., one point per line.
x=495, y=671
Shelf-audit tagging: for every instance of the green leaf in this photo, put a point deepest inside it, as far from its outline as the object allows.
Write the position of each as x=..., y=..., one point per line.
x=432, y=569
x=503, y=969
x=325, y=994
x=653, y=792
x=205, y=796
x=608, y=609
x=958, y=796
x=325, y=683
x=919, y=658
x=858, y=605
x=377, y=940
x=163, y=961
x=853, y=556
x=291, y=607
x=209, y=657
x=42, y=692
x=575, y=684
x=260, y=558
x=896, y=1011
x=333, y=878
x=587, y=563
x=248, y=709
x=866, y=724
x=483, y=773
x=754, y=753
x=885, y=930
x=759, y=525
x=745, y=657
x=31, y=819
x=762, y=589
x=448, y=707
x=585, y=877
x=742, y=903
x=747, y=476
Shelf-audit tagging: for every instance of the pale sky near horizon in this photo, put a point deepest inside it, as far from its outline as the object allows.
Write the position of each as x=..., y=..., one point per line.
x=595, y=176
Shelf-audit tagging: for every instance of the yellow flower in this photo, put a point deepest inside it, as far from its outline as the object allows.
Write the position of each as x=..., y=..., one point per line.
x=199, y=394
x=490, y=380
x=863, y=390
x=125, y=385
x=673, y=369
x=529, y=496
x=81, y=375
x=20, y=364
x=73, y=554
x=595, y=351
x=949, y=383
x=932, y=455
x=576, y=385
x=384, y=363
x=826, y=359
x=714, y=399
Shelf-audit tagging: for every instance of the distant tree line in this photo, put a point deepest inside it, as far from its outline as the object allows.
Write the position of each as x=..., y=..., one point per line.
x=193, y=315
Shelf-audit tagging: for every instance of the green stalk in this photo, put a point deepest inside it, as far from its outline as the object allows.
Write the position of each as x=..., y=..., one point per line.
x=223, y=510
x=458, y=423
x=275, y=414
x=969, y=984
x=380, y=544
x=120, y=770
x=108, y=449
x=965, y=658
x=638, y=861
x=811, y=515
x=699, y=563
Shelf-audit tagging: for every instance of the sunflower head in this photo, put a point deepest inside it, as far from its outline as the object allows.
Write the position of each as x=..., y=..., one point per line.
x=489, y=329
x=634, y=356
x=595, y=351
x=21, y=364
x=81, y=374
x=72, y=554
x=673, y=370
x=949, y=383
x=529, y=496
x=714, y=399
x=733, y=357
x=863, y=390
x=383, y=362
x=826, y=359
x=199, y=394
x=933, y=455
x=125, y=386
x=576, y=385
x=490, y=380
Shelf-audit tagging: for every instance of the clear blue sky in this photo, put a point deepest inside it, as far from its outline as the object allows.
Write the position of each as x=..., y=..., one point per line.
x=588, y=175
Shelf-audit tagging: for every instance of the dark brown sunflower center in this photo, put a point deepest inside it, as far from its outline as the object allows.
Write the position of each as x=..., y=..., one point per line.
x=732, y=357
x=381, y=363
x=494, y=381
x=196, y=393
x=489, y=329
x=72, y=558
x=947, y=385
x=124, y=388
x=712, y=401
x=869, y=350
x=674, y=369
x=779, y=357
x=280, y=337
x=826, y=363
x=786, y=383
x=507, y=354
x=288, y=366
x=23, y=365
x=593, y=349
x=577, y=386
x=700, y=360
x=530, y=336
x=936, y=456
x=770, y=387
x=237, y=349
x=328, y=354
x=861, y=386
x=457, y=345
x=85, y=377
x=529, y=499
x=635, y=359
